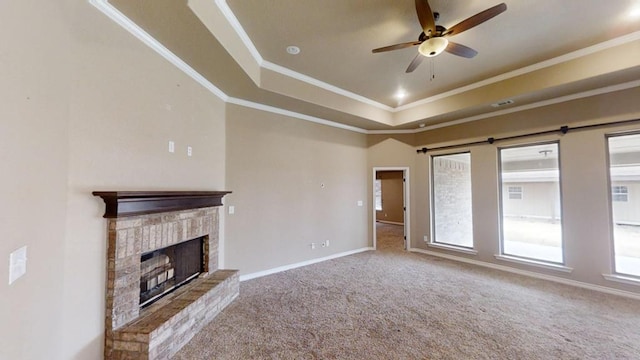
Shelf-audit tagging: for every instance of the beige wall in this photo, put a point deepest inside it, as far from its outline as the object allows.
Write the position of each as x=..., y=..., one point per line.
x=86, y=107
x=33, y=156
x=276, y=167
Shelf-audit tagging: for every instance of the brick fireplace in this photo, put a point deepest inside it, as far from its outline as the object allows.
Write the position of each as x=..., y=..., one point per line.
x=141, y=223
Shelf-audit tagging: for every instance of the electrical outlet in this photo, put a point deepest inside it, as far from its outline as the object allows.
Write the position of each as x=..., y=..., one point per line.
x=189, y=151
x=426, y=238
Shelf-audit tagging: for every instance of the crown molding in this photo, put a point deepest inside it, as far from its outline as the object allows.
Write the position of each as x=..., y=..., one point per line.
x=233, y=20
x=527, y=69
x=323, y=85
x=391, y=132
x=114, y=14
x=576, y=96
x=293, y=114
x=119, y=18
x=235, y=24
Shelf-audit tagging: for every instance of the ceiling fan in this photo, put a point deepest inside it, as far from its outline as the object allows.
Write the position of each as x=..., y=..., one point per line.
x=433, y=38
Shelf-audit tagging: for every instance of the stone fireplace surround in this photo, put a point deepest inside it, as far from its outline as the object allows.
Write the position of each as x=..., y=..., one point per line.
x=140, y=222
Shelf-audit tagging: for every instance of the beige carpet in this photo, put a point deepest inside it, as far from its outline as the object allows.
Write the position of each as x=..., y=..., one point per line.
x=389, y=304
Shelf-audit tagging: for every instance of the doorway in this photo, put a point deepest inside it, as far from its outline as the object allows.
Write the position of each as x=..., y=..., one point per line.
x=391, y=206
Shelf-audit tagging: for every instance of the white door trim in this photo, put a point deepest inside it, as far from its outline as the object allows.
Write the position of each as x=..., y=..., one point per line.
x=405, y=201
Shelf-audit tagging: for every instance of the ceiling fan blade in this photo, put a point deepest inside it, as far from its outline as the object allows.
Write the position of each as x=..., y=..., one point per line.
x=460, y=50
x=476, y=19
x=425, y=16
x=397, y=46
x=414, y=64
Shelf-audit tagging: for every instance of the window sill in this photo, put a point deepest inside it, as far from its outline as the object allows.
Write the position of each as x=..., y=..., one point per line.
x=540, y=264
x=622, y=279
x=453, y=248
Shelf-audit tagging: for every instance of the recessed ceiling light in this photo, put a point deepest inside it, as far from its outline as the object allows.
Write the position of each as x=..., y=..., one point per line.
x=293, y=50
x=422, y=125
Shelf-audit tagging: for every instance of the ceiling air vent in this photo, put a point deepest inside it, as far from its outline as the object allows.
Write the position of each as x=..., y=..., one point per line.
x=502, y=103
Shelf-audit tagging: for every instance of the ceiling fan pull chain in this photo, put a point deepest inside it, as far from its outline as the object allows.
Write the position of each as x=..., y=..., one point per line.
x=432, y=69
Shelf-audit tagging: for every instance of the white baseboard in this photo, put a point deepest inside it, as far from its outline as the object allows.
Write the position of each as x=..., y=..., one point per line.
x=603, y=289
x=301, y=264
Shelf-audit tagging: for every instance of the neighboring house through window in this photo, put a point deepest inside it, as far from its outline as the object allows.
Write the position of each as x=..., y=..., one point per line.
x=620, y=193
x=515, y=192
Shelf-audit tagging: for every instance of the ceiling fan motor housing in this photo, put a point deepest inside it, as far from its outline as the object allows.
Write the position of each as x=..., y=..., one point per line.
x=439, y=31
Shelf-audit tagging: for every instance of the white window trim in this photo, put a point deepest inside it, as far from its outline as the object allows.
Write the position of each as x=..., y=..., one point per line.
x=445, y=246
x=515, y=259
x=622, y=279
x=540, y=264
x=460, y=249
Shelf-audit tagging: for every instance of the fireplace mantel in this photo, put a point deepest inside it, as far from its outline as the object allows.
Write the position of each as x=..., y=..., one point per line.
x=131, y=203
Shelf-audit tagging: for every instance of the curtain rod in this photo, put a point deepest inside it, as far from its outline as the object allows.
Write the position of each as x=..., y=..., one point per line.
x=563, y=129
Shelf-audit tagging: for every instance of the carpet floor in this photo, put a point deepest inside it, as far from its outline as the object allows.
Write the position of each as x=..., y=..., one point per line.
x=390, y=304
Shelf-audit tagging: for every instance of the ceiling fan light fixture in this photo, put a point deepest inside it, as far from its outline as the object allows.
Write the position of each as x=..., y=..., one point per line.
x=433, y=46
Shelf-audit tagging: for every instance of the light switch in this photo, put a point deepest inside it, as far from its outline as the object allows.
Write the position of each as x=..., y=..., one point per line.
x=360, y=203
x=17, y=264
x=172, y=146
x=232, y=210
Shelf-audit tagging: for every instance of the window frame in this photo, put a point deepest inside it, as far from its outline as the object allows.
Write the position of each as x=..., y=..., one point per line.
x=612, y=222
x=501, y=206
x=433, y=239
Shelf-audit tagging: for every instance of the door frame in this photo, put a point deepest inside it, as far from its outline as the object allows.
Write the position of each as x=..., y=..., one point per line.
x=405, y=203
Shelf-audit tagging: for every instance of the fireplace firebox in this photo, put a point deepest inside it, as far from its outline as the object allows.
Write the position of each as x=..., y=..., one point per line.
x=165, y=270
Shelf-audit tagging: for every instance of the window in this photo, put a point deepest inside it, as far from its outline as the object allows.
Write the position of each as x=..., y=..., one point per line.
x=624, y=177
x=378, y=195
x=451, y=200
x=620, y=193
x=531, y=225
x=515, y=192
